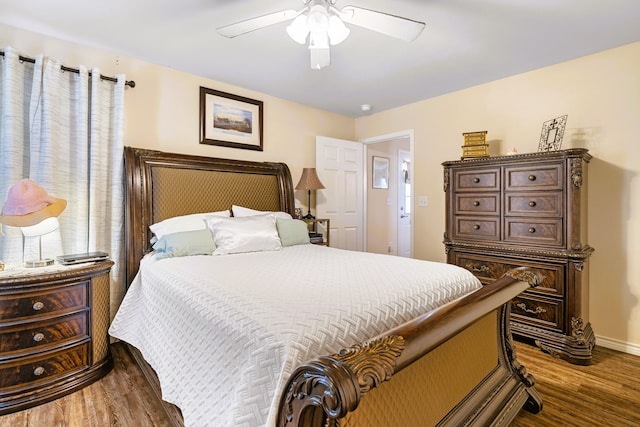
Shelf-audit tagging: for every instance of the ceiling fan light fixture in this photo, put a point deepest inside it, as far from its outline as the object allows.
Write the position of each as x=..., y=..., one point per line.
x=318, y=40
x=320, y=57
x=338, y=32
x=318, y=18
x=298, y=29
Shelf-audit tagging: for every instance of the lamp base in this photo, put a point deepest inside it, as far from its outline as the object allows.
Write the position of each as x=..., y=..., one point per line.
x=39, y=263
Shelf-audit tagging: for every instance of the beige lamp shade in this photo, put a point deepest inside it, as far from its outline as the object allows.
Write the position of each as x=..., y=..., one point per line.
x=309, y=180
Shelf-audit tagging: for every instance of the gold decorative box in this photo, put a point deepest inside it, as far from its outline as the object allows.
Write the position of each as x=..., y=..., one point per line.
x=475, y=145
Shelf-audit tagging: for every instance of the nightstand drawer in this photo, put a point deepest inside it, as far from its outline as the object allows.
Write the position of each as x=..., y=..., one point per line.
x=485, y=228
x=488, y=269
x=28, y=337
x=542, y=177
x=19, y=373
x=483, y=204
x=547, y=232
x=538, y=311
x=41, y=303
x=533, y=204
x=477, y=180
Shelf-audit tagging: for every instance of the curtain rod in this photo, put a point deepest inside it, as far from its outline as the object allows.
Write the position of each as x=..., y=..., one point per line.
x=129, y=83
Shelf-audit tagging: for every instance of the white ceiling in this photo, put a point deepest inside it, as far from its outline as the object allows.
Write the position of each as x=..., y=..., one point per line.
x=465, y=43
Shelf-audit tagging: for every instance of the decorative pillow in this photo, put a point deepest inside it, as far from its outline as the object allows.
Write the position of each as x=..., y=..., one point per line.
x=292, y=231
x=246, y=234
x=241, y=212
x=184, y=223
x=185, y=243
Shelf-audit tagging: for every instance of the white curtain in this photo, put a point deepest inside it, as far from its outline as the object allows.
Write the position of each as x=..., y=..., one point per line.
x=64, y=130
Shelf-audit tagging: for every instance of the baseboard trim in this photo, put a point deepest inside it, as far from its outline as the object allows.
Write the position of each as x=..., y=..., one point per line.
x=622, y=346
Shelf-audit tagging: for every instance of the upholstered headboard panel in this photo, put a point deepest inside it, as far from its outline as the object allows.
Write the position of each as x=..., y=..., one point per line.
x=162, y=185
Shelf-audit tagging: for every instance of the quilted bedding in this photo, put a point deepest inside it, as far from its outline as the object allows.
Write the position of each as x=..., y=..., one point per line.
x=224, y=333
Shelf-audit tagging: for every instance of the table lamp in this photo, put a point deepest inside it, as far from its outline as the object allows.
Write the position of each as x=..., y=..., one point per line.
x=29, y=207
x=309, y=181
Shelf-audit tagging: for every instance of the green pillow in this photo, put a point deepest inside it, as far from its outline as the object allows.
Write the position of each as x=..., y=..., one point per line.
x=185, y=243
x=292, y=231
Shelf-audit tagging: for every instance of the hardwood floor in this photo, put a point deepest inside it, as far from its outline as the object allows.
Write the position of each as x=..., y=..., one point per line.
x=121, y=399
x=606, y=393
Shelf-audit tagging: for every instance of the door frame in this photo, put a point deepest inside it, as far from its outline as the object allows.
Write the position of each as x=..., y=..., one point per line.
x=409, y=133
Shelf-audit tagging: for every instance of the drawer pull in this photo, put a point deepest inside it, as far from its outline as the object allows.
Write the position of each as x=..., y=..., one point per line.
x=532, y=203
x=476, y=227
x=532, y=230
x=476, y=180
x=38, y=371
x=532, y=177
x=477, y=269
x=524, y=308
x=39, y=305
x=476, y=203
x=38, y=337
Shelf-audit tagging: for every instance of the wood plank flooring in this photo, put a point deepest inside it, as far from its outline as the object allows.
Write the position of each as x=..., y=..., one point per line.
x=606, y=393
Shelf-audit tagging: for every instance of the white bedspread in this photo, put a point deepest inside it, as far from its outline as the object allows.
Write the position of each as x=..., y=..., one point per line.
x=224, y=333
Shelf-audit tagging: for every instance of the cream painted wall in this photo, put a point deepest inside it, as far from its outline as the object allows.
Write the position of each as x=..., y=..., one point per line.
x=162, y=111
x=601, y=95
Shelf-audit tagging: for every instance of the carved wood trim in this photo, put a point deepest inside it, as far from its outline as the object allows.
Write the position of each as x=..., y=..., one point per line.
x=335, y=384
x=576, y=172
x=524, y=274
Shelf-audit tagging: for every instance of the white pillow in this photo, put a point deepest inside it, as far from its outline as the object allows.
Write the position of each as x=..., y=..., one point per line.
x=241, y=212
x=178, y=224
x=247, y=234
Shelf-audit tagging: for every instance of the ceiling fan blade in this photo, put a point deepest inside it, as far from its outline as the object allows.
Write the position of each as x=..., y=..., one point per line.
x=391, y=25
x=246, y=26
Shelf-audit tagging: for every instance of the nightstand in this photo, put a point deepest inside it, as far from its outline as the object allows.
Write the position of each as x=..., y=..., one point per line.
x=322, y=229
x=53, y=332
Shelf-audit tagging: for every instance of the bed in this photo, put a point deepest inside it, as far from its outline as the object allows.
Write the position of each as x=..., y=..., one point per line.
x=419, y=364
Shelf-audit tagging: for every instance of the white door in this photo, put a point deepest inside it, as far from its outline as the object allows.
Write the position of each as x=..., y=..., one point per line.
x=404, y=203
x=339, y=164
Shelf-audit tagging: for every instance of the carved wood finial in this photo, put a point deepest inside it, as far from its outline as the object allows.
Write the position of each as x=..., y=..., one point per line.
x=335, y=384
x=373, y=363
x=524, y=274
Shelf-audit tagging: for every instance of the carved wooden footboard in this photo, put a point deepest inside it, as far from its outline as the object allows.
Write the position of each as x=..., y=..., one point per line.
x=333, y=390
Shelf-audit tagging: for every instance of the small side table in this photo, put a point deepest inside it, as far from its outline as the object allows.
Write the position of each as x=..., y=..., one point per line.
x=324, y=229
x=53, y=332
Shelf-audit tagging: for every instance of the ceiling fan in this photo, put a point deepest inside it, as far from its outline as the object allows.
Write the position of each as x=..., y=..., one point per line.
x=324, y=24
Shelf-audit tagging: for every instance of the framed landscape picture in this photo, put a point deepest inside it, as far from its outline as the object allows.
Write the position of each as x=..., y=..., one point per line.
x=230, y=120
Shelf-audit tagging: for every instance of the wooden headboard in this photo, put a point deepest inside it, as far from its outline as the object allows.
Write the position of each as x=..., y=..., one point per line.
x=161, y=185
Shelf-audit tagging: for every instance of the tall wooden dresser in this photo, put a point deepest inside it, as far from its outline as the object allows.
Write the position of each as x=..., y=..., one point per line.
x=527, y=210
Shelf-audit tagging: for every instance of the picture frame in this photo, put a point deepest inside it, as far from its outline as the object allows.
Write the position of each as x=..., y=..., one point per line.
x=230, y=120
x=380, y=172
x=552, y=133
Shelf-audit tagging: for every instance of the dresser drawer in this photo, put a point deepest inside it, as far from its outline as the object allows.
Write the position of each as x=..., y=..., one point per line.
x=476, y=180
x=483, y=204
x=43, y=368
x=28, y=337
x=488, y=269
x=546, y=232
x=533, y=204
x=36, y=304
x=541, y=177
x=538, y=311
x=482, y=228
